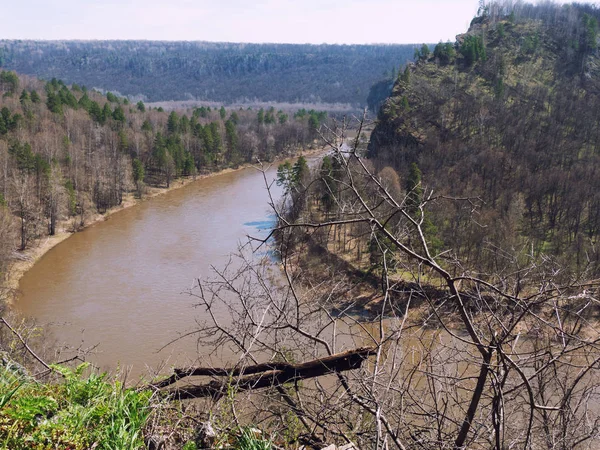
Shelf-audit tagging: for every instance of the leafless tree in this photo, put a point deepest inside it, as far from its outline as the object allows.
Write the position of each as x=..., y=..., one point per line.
x=463, y=359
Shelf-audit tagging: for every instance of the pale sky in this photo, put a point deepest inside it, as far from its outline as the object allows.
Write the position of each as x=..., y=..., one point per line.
x=290, y=21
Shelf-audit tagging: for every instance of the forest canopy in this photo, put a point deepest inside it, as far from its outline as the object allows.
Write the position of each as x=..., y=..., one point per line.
x=224, y=72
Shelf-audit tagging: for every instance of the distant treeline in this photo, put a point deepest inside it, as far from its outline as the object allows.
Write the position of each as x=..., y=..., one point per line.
x=223, y=72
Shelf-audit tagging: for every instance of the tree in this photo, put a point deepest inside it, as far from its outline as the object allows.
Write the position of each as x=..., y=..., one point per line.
x=260, y=116
x=138, y=176
x=35, y=97
x=452, y=367
x=140, y=106
x=106, y=113
x=55, y=198
x=231, y=139
x=9, y=82
x=118, y=115
x=173, y=123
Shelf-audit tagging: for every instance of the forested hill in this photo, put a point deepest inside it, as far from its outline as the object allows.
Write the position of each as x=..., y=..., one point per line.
x=221, y=72
x=67, y=152
x=509, y=115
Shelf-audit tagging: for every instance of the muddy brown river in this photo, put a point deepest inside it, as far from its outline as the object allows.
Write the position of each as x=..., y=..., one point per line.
x=120, y=284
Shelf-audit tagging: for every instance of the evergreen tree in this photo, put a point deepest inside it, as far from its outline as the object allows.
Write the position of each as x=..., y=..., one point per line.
x=231, y=139
x=53, y=103
x=119, y=115
x=35, y=97
x=106, y=113
x=173, y=123
x=260, y=116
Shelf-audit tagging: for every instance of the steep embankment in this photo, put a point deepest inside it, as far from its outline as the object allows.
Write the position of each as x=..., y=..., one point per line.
x=506, y=115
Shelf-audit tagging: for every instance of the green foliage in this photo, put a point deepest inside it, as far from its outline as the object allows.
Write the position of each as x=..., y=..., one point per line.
x=222, y=113
x=249, y=440
x=8, y=122
x=112, y=97
x=330, y=173
x=231, y=139
x=202, y=112
x=590, y=34
x=140, y=106
x=291, y=177
x=217, y=143
x=184, y=125
x=422, y=54
x=123, y=141
x=173, y=122
x=96, y=113
x=501, y=30
x=138, y=170
x=24, y=98
x=53, y=103
x=118, y=115
x=530, y=44
x=71, y=197
x=80, y=413
x=26, y=161
x=404, y=103
x=9, y=82
x=35, y=97
x=85, y=102
x=260, y=116
x=106, y=113
x=270, y=116
x=147, y=126
x=473, y=49
x=444, y=53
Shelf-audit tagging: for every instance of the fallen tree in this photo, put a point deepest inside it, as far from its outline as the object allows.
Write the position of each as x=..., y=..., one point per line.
x=263, y=375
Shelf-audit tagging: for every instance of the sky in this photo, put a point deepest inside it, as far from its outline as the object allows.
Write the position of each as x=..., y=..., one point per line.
x=286, y=21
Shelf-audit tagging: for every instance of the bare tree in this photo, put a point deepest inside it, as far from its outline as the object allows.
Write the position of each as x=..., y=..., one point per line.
x=463, y=359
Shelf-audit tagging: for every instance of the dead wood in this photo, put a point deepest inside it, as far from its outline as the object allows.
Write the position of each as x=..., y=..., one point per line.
x=261, y=375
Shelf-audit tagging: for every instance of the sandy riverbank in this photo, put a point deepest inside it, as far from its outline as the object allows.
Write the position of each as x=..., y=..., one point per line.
x=26, y=260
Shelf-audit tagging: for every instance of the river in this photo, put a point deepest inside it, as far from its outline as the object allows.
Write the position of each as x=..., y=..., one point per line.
x=121, y=284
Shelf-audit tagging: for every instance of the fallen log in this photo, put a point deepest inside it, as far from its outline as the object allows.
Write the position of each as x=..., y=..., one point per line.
x=261, y=375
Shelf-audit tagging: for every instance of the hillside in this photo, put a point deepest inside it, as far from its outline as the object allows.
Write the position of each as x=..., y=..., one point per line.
x=223, y=72
x=506, y=116
x=68, y=153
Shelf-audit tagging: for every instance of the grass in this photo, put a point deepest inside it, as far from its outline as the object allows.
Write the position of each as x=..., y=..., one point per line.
x=80, y=413
x=249, y=440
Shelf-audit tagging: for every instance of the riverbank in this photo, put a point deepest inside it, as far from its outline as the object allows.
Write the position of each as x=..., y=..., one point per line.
x=24, y=261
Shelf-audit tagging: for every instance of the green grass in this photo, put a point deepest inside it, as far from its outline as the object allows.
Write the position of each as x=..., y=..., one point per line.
x=248, y=440
x=76, y=414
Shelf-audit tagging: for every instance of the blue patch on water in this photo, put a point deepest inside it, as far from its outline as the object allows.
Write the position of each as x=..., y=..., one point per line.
x=263, y=227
